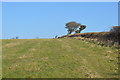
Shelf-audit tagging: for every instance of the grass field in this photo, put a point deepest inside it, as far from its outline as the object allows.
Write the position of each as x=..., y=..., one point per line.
x=57, y=58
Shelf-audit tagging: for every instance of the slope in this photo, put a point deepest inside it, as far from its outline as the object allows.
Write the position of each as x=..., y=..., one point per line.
x=57, y=58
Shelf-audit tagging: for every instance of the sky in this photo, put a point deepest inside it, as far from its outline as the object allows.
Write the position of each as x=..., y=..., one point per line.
x=60, y=0
x=29, y=20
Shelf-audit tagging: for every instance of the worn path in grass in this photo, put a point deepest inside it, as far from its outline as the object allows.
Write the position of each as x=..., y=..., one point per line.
x=57, y=58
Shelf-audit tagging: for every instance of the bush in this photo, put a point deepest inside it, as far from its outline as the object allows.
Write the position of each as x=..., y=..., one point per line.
x=115, y=33
x=115, y=30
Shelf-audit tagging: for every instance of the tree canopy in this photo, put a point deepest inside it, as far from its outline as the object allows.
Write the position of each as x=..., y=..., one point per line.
x=72, y=26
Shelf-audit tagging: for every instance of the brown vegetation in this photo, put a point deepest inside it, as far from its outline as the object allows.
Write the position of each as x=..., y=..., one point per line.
x=110, y=38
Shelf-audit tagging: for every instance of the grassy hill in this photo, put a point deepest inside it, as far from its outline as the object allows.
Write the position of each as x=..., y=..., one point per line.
x=57, y=58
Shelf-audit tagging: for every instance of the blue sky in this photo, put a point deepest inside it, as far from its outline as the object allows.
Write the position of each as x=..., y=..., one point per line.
x=47, y=19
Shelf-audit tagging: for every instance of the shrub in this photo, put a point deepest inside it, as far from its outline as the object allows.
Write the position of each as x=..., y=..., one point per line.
x=115, y=33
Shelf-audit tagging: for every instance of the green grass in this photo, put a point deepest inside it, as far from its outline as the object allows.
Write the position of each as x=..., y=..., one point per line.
x=57, y=58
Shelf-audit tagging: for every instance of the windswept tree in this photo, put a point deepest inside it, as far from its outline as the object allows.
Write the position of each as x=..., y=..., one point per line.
x=72, y=26
x=82, y=27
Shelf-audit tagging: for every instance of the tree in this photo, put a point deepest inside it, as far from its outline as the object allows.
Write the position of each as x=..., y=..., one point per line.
x=72, y=26
x=82, y=27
